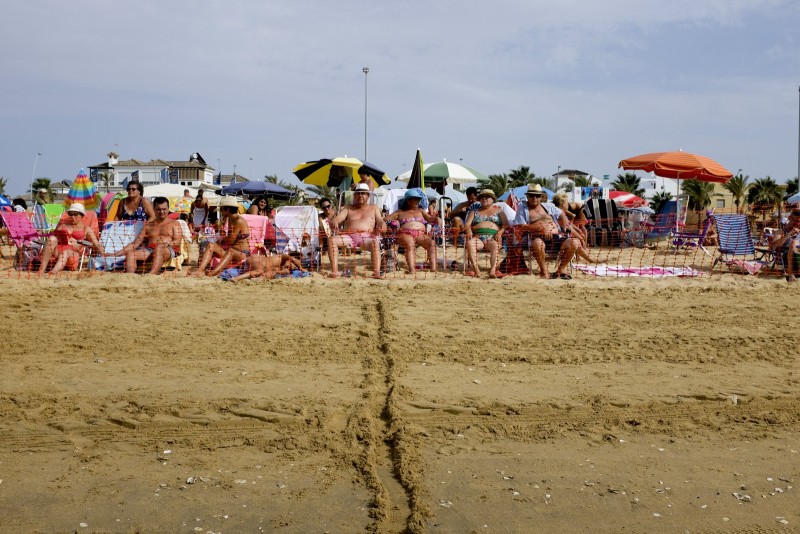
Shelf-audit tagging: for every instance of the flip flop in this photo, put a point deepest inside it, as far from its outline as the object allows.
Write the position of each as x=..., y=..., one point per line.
x=553, y=276
x=565, y=276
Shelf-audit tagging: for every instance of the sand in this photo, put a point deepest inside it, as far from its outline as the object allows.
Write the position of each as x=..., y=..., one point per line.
x=164, y=404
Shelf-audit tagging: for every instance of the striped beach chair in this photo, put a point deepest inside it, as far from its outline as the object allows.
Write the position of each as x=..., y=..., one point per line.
x=736, y=247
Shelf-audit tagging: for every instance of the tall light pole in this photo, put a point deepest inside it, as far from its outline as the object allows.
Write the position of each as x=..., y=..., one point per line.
x=33, y=174
x=365, y=70
x=251, y=168
x=798, y=138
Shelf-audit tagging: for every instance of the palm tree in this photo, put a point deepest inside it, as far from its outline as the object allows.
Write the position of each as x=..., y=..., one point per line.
x=544, y=182
x=582, y=181
x=498, y=183
x=105, y=179
x=763, y=195
x=299, y=194
x=630, y=183
x=659, y=199
x=792, y=187
x=323, y=191
x=737, y=186
x=698, y=194
x=43, y=183
x=3, y=184
x=520, y=176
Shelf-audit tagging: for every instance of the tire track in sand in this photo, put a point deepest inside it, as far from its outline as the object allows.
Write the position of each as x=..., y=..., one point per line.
x=386, y=453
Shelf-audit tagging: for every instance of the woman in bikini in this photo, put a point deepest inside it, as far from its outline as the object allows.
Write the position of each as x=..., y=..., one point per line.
x=135, y=207
x=234, y=245
x=270, y=265
x=412, y=232
x=66, y=242
x=484, y=229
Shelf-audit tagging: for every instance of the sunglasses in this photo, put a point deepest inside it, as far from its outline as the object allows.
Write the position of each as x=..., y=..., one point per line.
x=326, y=207
x=133, y=189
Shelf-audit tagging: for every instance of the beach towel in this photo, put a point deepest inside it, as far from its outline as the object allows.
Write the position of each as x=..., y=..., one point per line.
x=644, y=272
x=297, y=273
x=114, y=237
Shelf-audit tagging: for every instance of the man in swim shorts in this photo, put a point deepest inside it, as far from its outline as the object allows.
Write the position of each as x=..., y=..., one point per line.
x=360, y=226
x=545, y=223
x=160, y=239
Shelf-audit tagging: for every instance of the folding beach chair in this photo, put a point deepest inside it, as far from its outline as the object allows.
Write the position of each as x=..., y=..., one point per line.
x=602, y=214
x=689, y=240
x=736, y=247
x=24, y=237
x=183, y=251
x=114, y=236
x=46, y=217
x=294, y=226
x=664, y=223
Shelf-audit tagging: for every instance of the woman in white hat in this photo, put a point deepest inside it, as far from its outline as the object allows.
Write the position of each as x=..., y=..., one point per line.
x=412, y=231
x=484, y=229
x=68, y=241
x=234, y=245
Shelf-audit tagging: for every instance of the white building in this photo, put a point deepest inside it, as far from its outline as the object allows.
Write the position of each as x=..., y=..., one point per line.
x=191, y=173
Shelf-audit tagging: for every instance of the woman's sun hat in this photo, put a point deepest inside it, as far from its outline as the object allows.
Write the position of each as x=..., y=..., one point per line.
x=76, y=207
x=413, y=193
x=228, y=202
x=487, y=193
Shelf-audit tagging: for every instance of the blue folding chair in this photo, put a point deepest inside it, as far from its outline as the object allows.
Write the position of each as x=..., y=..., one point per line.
x=736, y=246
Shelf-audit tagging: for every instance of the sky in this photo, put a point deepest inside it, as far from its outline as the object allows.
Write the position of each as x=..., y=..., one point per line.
x=265, y=85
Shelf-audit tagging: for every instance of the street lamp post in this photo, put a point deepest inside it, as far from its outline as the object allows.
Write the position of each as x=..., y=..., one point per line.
x=365, y=70
x=33, y=174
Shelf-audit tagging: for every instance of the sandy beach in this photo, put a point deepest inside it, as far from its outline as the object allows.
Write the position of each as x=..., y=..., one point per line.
x=166, y=404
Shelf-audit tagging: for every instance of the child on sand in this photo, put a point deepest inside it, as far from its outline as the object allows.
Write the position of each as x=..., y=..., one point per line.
x=270, y=265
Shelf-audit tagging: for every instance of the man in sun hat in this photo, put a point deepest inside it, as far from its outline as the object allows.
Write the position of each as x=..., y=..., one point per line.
x=41, y=197
x=545, y=226
x=361, y=224
x=160, y=239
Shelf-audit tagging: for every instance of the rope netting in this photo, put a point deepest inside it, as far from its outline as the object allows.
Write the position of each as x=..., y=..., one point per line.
x=604, y=248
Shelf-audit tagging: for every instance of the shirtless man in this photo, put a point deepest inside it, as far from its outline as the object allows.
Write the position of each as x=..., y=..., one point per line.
x=160, y=239
x=359, y=220
x=545, y=223
x=459, y=214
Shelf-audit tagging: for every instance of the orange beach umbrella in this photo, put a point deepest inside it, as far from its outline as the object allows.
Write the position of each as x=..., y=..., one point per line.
x=678, y=165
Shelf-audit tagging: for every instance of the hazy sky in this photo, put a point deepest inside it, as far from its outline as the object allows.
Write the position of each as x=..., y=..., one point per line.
x=265, y=85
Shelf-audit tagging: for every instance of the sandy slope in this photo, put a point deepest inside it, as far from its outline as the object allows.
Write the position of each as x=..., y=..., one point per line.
x=443, y=405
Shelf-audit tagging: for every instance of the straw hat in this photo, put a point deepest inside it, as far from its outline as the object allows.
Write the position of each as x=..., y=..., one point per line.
x=487, y=193
x=76, y=207
x=228, y=202
x=535, y=190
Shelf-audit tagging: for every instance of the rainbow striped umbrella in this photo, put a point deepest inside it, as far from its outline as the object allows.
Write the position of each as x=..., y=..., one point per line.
x=83, y=191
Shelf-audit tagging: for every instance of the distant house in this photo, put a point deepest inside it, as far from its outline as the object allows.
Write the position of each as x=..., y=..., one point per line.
x=566, y=177
x=191, y=173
